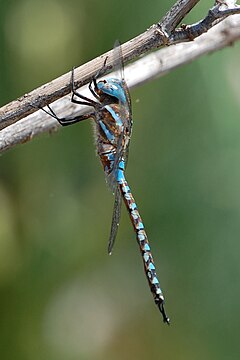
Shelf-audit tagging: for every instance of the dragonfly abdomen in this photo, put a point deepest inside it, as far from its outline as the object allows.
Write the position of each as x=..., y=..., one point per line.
x=142, y=240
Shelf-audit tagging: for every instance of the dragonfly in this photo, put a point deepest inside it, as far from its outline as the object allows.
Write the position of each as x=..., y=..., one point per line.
x=112, y=114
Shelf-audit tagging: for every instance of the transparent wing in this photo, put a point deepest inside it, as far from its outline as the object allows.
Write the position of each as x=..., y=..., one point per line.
x=115, y=220
x=125, y=113
x=122, y=149
x=118, y=66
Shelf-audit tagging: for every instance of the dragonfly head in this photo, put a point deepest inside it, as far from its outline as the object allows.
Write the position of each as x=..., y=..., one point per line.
x=112, y=87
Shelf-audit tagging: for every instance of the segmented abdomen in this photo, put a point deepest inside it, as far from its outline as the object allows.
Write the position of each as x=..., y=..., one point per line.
x=142, y=240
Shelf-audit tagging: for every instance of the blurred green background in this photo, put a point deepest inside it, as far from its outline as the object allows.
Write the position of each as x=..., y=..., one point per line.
x=61, y=295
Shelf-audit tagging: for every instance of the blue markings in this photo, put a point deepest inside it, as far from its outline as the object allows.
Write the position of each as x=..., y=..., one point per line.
x=134, y=214
x=120, y=172
x=151, y=266
x=146, y=257
x=122, y=165
x=115, y=116
x=128, y=197
x=155, y=280
x=133, y=206
x=108, y=133
x=111, y=157
x=126, y=189
x=159, y=292
x=120, y=176
x=140, y=226
x=141, y=236
x=146, y=247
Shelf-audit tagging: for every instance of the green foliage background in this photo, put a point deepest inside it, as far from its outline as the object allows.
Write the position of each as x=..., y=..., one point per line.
x=61, y=296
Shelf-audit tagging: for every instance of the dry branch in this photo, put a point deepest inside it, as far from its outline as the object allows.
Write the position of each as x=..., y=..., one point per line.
x=156, y=64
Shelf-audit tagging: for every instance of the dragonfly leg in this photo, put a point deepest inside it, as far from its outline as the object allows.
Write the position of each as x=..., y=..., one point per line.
x=66, y=120
x=93, y=92
x=94, y=80
x=69, y=121
x=101, y=70
x=49, y=112
x=86, y=101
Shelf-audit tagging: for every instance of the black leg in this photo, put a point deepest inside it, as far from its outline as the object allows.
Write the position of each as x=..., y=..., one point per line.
x=93, y=90
x=70, y=121
x=86, y=101
x=94, y=80
x=82, y=102
x=100, y=71
x=50, y=112
x=67, y=120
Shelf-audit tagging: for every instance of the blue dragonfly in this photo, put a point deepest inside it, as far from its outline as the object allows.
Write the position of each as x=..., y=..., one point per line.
x=112, y=115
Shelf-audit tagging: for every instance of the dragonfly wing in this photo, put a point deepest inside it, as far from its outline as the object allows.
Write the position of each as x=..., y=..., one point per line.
x=118, y=66
x=124, y=111
x=115, y=219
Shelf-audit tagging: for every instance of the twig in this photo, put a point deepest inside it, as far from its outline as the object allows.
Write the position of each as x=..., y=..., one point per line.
x=175, y=15
x=215, y=15
x=151, y=39
x=145, y=69
x=156, y=36
x=35, y=124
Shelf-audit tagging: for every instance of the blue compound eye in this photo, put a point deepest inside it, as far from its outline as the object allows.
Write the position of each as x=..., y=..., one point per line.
x=113, y=88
